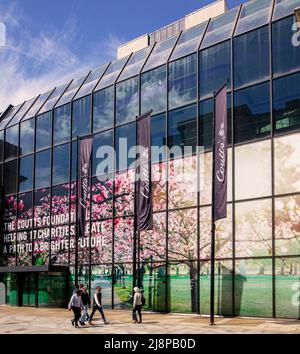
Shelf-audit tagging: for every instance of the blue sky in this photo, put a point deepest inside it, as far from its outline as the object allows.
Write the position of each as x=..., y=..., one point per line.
x=49, y=41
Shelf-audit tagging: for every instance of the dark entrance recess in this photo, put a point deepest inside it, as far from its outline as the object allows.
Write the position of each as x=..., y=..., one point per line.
x=27, y=289
x=36, y=286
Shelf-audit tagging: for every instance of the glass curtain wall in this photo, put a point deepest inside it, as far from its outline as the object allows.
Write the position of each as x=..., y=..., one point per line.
x=257, y=254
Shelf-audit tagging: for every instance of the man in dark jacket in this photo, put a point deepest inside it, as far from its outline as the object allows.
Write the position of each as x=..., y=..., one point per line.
x=97, y=300
x=86, y=301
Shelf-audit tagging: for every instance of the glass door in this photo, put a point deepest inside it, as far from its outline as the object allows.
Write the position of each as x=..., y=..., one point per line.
x=27, y=284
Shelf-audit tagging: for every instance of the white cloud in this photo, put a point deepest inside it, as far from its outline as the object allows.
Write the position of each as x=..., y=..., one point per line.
x=31, y=64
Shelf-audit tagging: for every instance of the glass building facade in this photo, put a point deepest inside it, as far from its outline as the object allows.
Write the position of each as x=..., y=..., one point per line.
x=257, y=247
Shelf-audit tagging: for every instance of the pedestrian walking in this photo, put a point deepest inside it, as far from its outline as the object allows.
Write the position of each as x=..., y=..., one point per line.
x=76, y=306
x=86, y=301
x=138, y=301
x=97, y=306
x=76, y=288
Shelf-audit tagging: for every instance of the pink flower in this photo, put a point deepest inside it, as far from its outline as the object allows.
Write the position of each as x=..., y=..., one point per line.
x=98, y=198
x=21, y=205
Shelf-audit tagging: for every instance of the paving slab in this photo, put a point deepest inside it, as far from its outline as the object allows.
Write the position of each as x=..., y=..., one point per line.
x=58, y=321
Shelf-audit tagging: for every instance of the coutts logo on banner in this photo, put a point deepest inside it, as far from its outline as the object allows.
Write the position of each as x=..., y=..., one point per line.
x=84, y=185
x=84, y=180
x=220, y=155
x=220, y=173
x=144, y=207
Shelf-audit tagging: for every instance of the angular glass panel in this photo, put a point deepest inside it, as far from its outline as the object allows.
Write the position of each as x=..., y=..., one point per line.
x=42, y=169
x=102, y=142
x=60, y=205
x=183, y=81
x=252, y=113
x=81, y=124
x=61, y=164
x=284, y=8
x=253, y=225
x=153, y=244
x=182, y=236
x=17, y=118
x=287, y=164
x=253, y=170
x=160, y=54
x=220, y=28
x=1, y=146
x=71, y=91
x=183, y=130
x=215, y=68
x=286, y=106
x=91, y=82
x=122, y=285
x=55, y=96
x=74, y=157
x=182, y=183
x=127, y=101
x=287, y=237
x=123, y=251
x=37, y=105
x=26, y=173
x=206, y=122
x=124, y=193
x=158, y=137
x=11, y=142
x=25, y=204
x=251, y=57
x=103, y=109
x=183, y=287
x=286, y=56
x=101, y=250
x=253, y=288
x=153, y=90
x=254, y=14
x=135, y=64
x=287, y=285
x=223, y=288
x=10, y=115
x=62, y=124
x=189, y=41
x=125, y=140
x=153, y=280
x=10, y=177
x=112, y=73
x=43, y=131
x=10, y=212
x=102, y=198
x=27, y=136
x=41, y=207
x=223, y=234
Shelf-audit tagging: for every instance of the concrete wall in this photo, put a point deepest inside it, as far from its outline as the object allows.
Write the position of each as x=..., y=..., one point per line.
x=213, y=10
x=133, y=46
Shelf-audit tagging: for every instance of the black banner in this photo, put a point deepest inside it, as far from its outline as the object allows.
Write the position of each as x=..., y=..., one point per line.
x=84, y=180
x=220, y=155
x=144, y=207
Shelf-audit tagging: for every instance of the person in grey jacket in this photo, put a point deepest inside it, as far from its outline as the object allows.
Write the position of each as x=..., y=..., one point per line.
x=137, y=305
x=76, y=306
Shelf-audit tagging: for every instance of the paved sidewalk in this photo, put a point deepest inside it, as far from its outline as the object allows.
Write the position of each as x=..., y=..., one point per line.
x=51, y=321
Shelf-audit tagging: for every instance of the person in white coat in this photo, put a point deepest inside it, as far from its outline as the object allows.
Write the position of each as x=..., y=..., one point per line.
x=137, y=305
